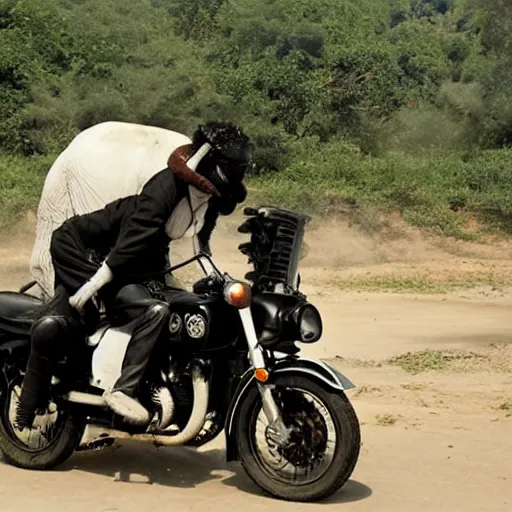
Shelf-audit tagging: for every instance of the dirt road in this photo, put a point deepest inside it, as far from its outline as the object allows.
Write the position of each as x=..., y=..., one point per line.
x=436, y=440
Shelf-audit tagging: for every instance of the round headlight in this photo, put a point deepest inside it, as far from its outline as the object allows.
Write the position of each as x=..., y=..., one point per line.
x=309, y=323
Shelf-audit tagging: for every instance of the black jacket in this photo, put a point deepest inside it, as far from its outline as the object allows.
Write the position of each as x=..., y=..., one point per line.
x=129, y=232
x=132, y=229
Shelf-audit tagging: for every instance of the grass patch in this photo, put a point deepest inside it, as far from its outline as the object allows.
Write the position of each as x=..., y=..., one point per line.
x=386, y=420
x=420, y=284
x=496, y=357
x=413, y=387
x=432, y=360
x=505, y=406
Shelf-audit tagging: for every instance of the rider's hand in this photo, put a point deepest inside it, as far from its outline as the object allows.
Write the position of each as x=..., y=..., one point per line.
x=88, y=290
x=206, y=284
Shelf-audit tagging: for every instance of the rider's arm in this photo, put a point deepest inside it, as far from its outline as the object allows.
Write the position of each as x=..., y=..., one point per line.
x=216, y=206
x=202, y=244
x=151, y=211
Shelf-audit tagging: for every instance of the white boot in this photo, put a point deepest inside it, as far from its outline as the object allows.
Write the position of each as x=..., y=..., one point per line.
x=126, y=406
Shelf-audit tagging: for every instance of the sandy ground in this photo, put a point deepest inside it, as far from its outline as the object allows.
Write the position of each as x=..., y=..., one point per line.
x=436, y=440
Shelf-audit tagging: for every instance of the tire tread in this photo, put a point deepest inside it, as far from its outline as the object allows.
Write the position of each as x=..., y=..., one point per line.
x=318, y=490
x=47, y=459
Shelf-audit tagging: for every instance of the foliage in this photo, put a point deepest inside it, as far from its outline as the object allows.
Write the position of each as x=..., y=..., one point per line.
x=20, y=185
x=389, y=103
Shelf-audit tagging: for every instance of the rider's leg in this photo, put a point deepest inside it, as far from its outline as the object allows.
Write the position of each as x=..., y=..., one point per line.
x=153, y=318
x=46, y=335
x=52, y=321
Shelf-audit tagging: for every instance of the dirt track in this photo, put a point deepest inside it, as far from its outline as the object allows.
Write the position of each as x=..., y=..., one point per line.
x=439, y=440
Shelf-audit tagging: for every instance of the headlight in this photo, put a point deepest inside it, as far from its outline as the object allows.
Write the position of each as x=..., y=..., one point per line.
x=238, y=294
x=308, y=322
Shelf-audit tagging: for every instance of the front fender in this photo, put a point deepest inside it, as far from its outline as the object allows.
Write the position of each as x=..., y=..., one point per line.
x=323, y=373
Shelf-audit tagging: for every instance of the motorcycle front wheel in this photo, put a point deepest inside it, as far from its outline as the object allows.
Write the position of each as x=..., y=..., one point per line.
x=324, y=445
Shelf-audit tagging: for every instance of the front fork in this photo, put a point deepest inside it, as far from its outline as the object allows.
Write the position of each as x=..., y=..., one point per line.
x=277, y=430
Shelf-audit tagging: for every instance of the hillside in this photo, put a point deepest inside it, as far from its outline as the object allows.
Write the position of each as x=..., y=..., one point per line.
x=356, y=107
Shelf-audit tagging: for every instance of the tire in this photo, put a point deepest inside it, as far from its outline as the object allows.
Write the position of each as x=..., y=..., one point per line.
x=346, y=451
x=15, y=453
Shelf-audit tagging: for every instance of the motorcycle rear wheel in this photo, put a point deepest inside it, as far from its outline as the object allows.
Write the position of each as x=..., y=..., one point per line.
x=28, y=449
x=338, y=465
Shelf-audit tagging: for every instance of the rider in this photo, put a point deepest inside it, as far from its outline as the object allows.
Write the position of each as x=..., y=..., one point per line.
x=131, y=236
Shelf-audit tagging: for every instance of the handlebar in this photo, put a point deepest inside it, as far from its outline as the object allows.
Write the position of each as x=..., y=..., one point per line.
x=197, y=258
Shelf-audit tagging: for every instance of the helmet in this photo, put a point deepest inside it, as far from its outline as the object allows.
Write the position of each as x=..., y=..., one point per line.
x=215, y=163
x=229, y=156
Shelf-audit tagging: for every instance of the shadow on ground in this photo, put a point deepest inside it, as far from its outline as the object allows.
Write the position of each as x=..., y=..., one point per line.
x=181, y=468
x=352, y=491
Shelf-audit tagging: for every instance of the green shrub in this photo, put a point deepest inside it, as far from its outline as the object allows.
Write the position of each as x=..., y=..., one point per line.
x=439, y=192
x=21, y=181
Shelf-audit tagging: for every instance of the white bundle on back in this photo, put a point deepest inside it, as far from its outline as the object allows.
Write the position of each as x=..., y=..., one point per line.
x=103, y=163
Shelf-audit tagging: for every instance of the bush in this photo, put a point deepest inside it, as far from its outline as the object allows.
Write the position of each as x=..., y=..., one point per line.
x=361, y=105
x=21, y=181
x=438, y=192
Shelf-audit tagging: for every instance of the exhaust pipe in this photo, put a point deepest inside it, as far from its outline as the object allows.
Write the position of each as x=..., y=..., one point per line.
x=194, y=426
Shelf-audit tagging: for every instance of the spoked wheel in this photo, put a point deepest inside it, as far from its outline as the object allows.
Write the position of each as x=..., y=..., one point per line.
x=323, y=448
x=52, y=440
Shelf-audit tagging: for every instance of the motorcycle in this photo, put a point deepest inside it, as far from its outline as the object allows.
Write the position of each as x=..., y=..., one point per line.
x=229, y=361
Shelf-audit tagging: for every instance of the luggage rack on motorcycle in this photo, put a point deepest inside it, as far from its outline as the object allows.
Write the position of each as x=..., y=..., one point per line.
x=275, y=247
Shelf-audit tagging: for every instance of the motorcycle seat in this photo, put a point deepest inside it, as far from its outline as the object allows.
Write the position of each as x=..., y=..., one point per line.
x=12, y=306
